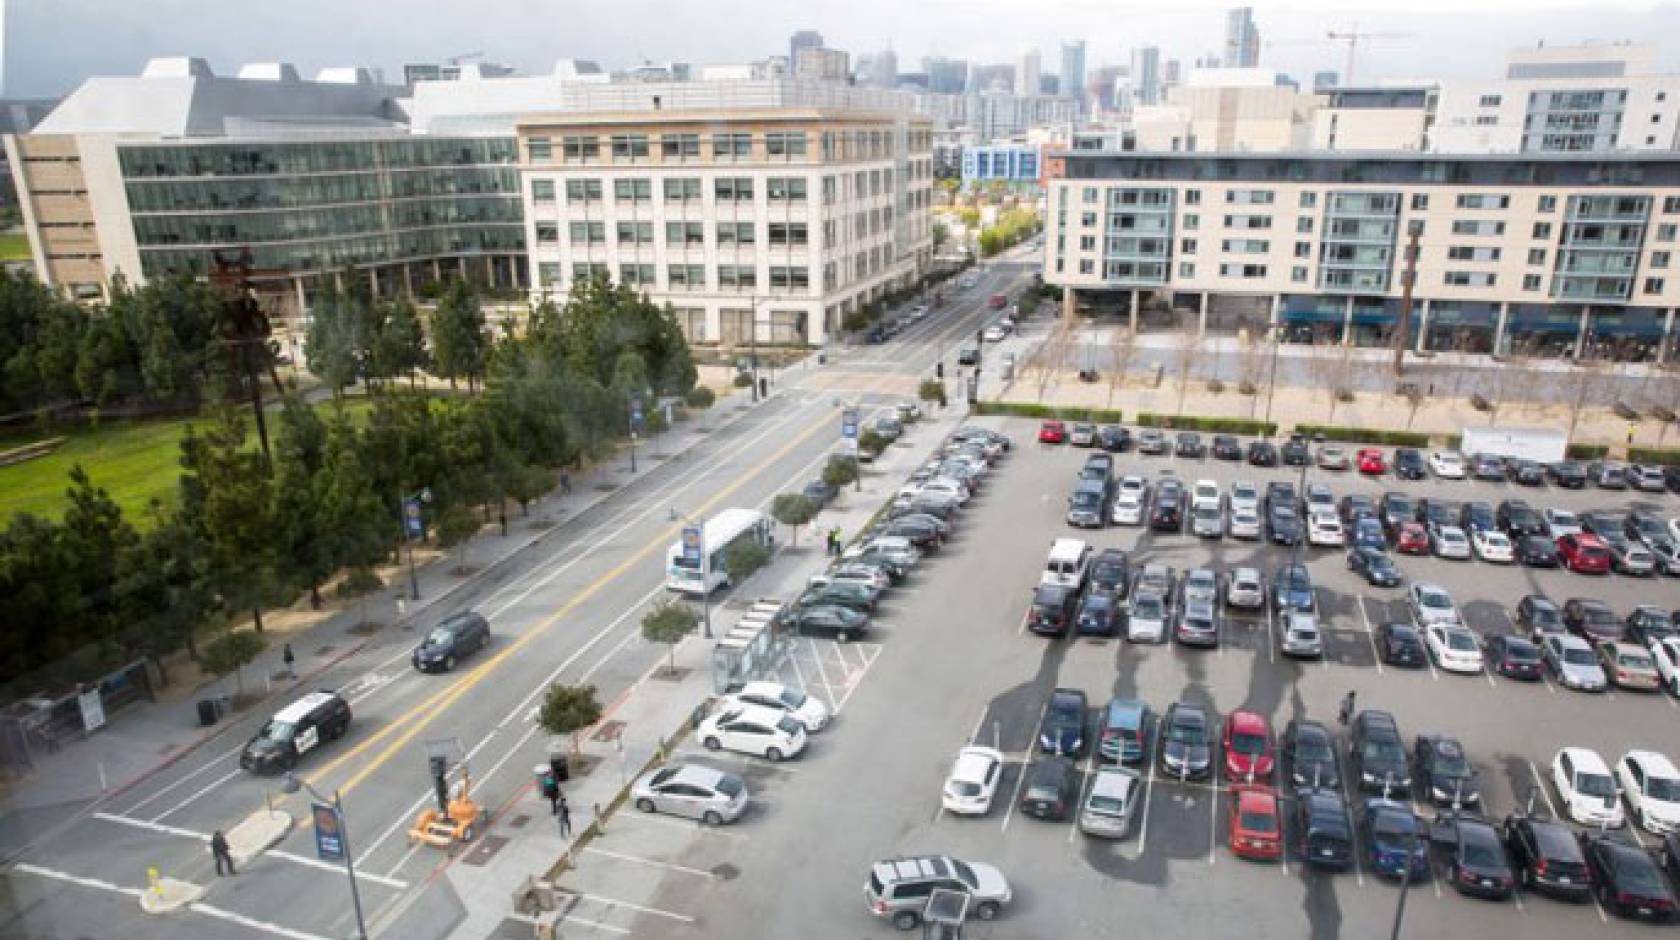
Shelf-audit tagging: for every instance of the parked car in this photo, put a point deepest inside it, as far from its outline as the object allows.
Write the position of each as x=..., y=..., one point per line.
x=1449, y=541
x=1332, y=457
x=1051, y=787
x=1567, y=474
x=752, y=729
x=1114, y=438
x=1651, y=785
x=1431, y=603
x=1084, y=434
x=1299, y=636
x=1537, y=551
x=808, y=710
x=1226, y=447
x=1491, y=545
x=1294, y=452
x=1665, y=652
x=1189, y=444
x=1198, y=624
x=1514, y=657
x=1591, y=619
x=1255, y=822
x=1146, y=617
x=1547, y=857
x=1572, y=663
x=1647, y=622
x=1374, y=566
x=1292, y=588
x=1585, y=787
x=1261, y=454
x=1444, y=772
x=1311, y=754
x=1052, y=432
x=1186, y=742
x=1395, y=839
x=1283, y=525
x=1447, y=464
x=1628, y=881
x=1608, y=475
x=1111, y=804
x=1453, y=647
x=1371, y=462
x=1064, y=726
x=1151, y=441
x=1411, y=539
x=1487, y=467
x=1123, y=736
x=1538, y=616
x=1321, y=825
x=1525, y=472
x=1409, y=464
x=1629, y=557
x=1379, y=753
x=692, y=790
x=1475, y=856
x=1629, y=666
x=1401, y=644
x=1584, y=554
x=1244, y=589
x=898, y=888
x=1247, y=743
x=1051, y=609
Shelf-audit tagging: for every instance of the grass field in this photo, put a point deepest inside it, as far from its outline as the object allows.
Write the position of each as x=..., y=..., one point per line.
x=133, y=461
x=14, y=246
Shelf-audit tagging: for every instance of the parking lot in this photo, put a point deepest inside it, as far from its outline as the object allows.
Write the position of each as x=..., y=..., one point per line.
x=951, y=665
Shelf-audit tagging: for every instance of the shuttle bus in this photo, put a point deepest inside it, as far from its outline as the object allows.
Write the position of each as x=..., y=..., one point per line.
x=723, y=530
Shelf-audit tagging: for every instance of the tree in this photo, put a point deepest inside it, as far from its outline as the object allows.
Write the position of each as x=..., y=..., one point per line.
x=932, y=391
x=226, y=494
x=399, y=343
x=871, y=442
x=355, y=522
x=455, y=526
x=669, y=622
x=840, y=471
x=1122, y=346
x=336, y=339
x=1585, y=384
x=1184, y=352
x=232, y=652
x=460, y=342
x=301, y=528
x=568, y=709
x=1414, y=400
x=744, y=557
x=793, y=510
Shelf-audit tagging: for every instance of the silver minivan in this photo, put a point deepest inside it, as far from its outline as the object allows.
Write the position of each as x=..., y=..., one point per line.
x=1112, y=803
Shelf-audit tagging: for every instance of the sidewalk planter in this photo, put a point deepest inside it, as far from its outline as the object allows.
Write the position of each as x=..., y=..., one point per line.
x=1351, y=435
x=1246, y=426
x=1661, y=456
x=1587, y=451
x=1018, y=409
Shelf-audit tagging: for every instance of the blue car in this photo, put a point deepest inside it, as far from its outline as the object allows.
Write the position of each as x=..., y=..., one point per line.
x=1292, y=588
x=1368, y=533
x=1386, y=827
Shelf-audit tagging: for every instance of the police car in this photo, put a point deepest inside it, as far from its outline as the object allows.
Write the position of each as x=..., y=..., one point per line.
x=296, y=730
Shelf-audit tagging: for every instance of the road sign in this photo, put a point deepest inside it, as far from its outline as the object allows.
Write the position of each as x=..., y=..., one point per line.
x=692, y=546
x=329, y=832
x=93, y=709
x=412, y=521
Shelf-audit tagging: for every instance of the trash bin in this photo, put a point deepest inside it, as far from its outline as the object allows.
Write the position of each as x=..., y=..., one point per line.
x=822, y=358
x=209, y=711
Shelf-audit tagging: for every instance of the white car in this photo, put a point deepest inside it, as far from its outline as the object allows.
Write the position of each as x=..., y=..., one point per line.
x=1205, y=491
x=1146, y=619
x=1447, y=464
x=1453, y=647
x=973, y=781
x=1674, y=528
x=1651, y=786
x=1325, y=529
x=1244, y=523
x=1491, y=545
x=944, y=486
x=1560, y=522
x=994, y=334
x=1132, y=483
x=1319, y=498
x=752, y=729
x=809, y=709
x=1243, y=588
x=1245, y=495
x=1448, y=541
x=1666, y=651
x=1431, y=604
x=1128, y=509
x=1586, y=788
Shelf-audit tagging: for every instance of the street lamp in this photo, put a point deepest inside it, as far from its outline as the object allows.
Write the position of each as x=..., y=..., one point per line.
x=292, y=783
x=705, y=575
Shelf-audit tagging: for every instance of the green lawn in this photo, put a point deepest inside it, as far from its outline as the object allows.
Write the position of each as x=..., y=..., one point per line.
x=14, y=246
x=133, y=461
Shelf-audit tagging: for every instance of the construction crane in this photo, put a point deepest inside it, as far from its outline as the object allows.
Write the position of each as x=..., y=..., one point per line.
x=1353, y=38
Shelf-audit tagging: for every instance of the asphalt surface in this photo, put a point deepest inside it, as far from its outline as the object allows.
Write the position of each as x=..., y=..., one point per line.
x=954, y=666
x=566, y=609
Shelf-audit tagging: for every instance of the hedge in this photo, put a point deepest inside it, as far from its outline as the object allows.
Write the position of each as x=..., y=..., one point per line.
x=1662, y=456
x=1022, y=409
x=1203, y=423
x=1586, y=451
x=1351, y=435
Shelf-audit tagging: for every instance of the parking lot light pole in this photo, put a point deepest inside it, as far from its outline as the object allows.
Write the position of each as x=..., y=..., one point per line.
x=292, y=783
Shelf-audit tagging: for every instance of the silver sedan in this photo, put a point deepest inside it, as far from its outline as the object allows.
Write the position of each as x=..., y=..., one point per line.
x=691, y=790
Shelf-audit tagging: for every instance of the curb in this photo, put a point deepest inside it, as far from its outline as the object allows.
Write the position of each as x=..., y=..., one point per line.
x=279, y=823
x=169, y=895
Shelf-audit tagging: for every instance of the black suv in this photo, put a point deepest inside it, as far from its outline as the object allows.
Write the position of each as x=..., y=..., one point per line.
x=1189, y=444
x=1408, y=464
x=1051, y=610
x=1518, y=519
x=1311, y=754
x=294, y=731
x=1295, y=452
x=1225, y=447
x=1444, y=773
x=1262, y=454
x=1167, y=514
x=456, y=638
x=1547, y=857
x=1321, y=817
x=1379, y=753
x=1063, y=730
x=1567, y=474
x=1110, y=572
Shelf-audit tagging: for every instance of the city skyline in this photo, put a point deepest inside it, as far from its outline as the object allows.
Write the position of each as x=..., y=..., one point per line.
x=44, y=55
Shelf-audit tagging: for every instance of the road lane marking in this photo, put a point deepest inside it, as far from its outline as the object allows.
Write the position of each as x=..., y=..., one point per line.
x=160, y=794
x=651, y=863
x=197, y=907
x=1148, y=791
x=203, y=790
x=1084, y=793
x=68, y=878
x=610, y=902
x=1026, y=762
x=274, y=853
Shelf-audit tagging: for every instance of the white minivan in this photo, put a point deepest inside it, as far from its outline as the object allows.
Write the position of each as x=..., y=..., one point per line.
x=1069, y=559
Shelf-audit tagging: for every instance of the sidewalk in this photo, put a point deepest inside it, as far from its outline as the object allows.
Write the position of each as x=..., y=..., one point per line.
x=145, y=738
x=474, y=891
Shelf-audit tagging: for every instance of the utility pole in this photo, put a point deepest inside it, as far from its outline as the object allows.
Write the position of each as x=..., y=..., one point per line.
x=1408, y=278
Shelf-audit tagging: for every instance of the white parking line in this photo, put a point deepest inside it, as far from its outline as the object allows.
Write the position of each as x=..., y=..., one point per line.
x=569, y=919
x=822, y=673
x=1148, y=792
x=1271, y=635
x=684, y=824
x=1026, y=762
x=1213, y=821
x=651, y=863
x=203, y=790
x=1084, y=791
x=856, y=680
x=611, y=902
x=1370, y=634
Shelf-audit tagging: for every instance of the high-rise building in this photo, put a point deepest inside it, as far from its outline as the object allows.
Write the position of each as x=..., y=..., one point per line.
x=802, y=40
x=823, y=65
x=1328, y=78
x=999, y=78
x=946, y=76
x=1172, y=73
x=878, y=70
x=1027, y=83
x=1242, y=39
x=1146, y=75
x=1072, y=83
x=1100, y=86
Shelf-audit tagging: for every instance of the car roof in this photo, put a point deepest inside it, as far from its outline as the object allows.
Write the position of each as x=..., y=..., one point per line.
x=1247, y=721
x=699, y=775
x=303, y=707
x=1656, y=764
x=1116, y=782
x=761, y=687
x=1256, y=800
x=749, y=712
x=905, y=869
x=1067, y=696
x=1126, y=708
x=1188, y=710
x=972, y=762
x=1585, y=759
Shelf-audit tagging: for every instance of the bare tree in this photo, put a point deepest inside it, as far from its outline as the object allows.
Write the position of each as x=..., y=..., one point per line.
x=1185, y=348
x=1586, y=384
x=1414, y=400
x=1122, y=347
x=1334, y=374
x=1049, y=358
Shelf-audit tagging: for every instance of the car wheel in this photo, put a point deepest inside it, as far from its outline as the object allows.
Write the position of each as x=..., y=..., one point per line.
x=987, y=911
x=645, y=805
x=712, y=818
x=712, y=744
x=842, y=637
x=449, y=664
x=773, y=754
x=906, y=920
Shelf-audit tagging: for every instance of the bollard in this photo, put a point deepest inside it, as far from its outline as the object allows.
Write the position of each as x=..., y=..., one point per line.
x=599, y=826
x=153, y=884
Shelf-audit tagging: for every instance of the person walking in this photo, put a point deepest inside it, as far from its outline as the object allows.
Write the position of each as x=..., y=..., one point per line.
x=224, y=858
x=551, y=792
x=1347, y=709
x=564, y=813
x=290, y=661
x=565, y=483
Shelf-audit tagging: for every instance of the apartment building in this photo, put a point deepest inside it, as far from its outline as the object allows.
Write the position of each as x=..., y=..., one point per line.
x=1382, y=118
x=764, y=226
x=1557, y=255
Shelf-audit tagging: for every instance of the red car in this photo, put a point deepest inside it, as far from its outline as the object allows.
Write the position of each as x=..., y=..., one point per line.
x=1248, y=747
x=1585, y=553
x=1370, y=460
x=1412, y=539
x=1052, y=432
x=1256, y=827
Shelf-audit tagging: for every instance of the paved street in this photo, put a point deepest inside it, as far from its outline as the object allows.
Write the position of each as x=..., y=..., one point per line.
x=567, y=610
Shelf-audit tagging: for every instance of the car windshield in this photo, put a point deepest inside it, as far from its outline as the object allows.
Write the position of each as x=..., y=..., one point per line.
x=1449, y=763
x=1248, y=743
x=1086, y=500
x=965, y=873
x=1243, y=492
x=1435, y=599
x=1460, y=641
x=1108, y=571
x=1184, y=733
x=1259, y=822
x=1107, y=804
x=788, y=725
x=1578, y=657
x=1595, y=785
x=728, y=786
x=440, y=637
x=1635, y=661
x=1378, y=752
x=792, y=698
x=1664, y=789
x=279, y=730
x=1312, y=748
x=1207, y=512
x=1480, y=854
x=1146, y=608
x=965, y=788
x=1395, y=825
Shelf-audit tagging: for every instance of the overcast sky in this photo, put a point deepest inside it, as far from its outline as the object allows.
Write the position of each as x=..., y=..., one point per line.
x=51, y=45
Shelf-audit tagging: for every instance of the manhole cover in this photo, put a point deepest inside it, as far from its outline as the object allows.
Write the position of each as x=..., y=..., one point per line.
x=485, y=849
x=608, y=732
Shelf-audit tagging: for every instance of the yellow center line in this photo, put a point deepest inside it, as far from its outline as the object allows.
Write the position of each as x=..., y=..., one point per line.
x=426, y=712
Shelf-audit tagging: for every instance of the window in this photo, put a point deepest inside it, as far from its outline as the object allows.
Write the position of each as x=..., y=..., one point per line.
x=1486, y=120
x=583, y=190
x=637, y=190
x=548, y=273
x=588, y=233
x=682, y=188
x=685, y=233
x=1242, y=270
x=790, y=278
x=1543, y=230
x=1248, y=221
x=588, y=270
x=1192, y=197
x=1248, y=197
x=1548, y=204
x=1653, y=285
x=542, y=190
x=686, y=275
x=735, y=233
x=629, y=146
x=1303, y=224
x=539, y=149
x=1186, y=269
x=1187, y=246
x=1088, y=219
x=548, y=233
x=581, y=148
x=1089, y=194
x=1469, y=227
x=788, y=233
x=1469, y=253
x=1665, y=232
x=1087, y=266
x=1087, y=243
x=679, y=146
x=1489, y=101
x=1303, y=249
x=732, y=145
x=737, y=275
x=1671, y=205
x=785, y=189
x=636, y=275
x=1469, y=279
x=1531, y=282
x=1245, y=246
x=1309, y=200
x=1537, y=256
x=1298, y=274
x=733, y=189
x=1483, y=201
x=1191, y=221
x=1659, y=259
x=1420, y=202
x=785, y=144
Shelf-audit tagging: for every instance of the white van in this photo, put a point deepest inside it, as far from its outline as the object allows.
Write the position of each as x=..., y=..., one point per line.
x=1069, y=559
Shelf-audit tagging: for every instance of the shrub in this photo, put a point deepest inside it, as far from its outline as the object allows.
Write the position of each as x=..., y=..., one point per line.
x=1060, y=412
x=1586, y=451
x=1245, y=387
x=1211, y=424
x=931, y=390
x=1663, y=456
x=358, y=582
x=701, y=397
x=1352, y=435
x=1215, y=386
x=742, y=380
x=743, y=558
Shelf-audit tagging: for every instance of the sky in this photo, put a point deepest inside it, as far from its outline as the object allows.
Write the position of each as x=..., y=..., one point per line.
x=50, y=46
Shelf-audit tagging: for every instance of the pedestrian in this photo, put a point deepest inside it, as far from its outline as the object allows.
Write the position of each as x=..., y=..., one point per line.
x=290, y=661
x=557, y=768
x=551, y=792
x=1631, y=429
x=564, y=812
x=565, y=483
x=1347, y=709
x=224, y=858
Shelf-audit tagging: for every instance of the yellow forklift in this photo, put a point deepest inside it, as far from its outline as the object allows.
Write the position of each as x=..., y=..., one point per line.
x=457, y=817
